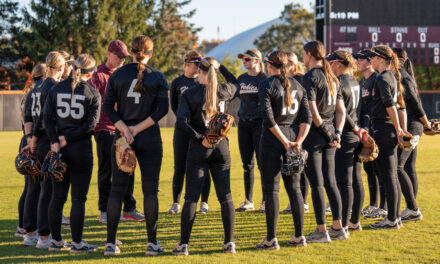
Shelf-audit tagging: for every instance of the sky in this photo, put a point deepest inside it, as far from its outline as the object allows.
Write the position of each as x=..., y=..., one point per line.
x=231, y=16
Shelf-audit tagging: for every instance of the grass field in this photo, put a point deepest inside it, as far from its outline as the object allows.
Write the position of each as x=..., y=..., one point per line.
x=414, y=243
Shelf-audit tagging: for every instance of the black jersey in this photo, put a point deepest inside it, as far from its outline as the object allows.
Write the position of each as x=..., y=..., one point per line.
x=248, y=93
x=350, y=90
x=367, y=86
x=384, y=95
x=299, y=78
x=134, y=107
x=72, y=115
x=178, y=86
x=414, y=108
x=191, y=118
x=30, y=103
x=38, y=99
x=317, y=89
x=271, y=96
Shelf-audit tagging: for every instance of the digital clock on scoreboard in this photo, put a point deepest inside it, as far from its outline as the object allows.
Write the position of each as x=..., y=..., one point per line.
x=353, y=25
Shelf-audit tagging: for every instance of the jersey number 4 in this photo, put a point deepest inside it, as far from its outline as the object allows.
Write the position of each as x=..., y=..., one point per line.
x=291, y=110
x=132, y=93
x=75, y=109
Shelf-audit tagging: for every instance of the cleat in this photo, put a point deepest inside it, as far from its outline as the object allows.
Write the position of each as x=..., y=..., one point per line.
x=65, y=222
x=246, y=206
x=43, y=244
x=269, y=245
x=337, y=234
x=30, y=240
x=204, y=208
x=175, y=208
x=111, y=249
x=319, y=237
x=229, y=248
x=368, y=209
x=262, y=208
x=132, y=216
x=59, y=245
x=298, y=241
x=354, y=227
x=386, y=224
x=411, y=215
x=181, y=250
x=154, y=249
x=20, y=232
x=82, y=247
x=378, y=213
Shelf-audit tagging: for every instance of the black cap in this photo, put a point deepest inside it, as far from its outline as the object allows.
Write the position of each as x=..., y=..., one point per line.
x=361, y=55
x=376, y=53
x=335, y=57
x=401, y=53
x=248, y=53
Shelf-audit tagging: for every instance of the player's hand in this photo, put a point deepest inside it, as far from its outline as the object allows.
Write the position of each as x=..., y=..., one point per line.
x=336, y=142
x=427, y=129
x=25, y=148
x=400, y=135
x=55, y=147
x=63, y=141
x=133, y=130
x=127, y=134
x=206, y=144
x=33, y=145
x=28, y=140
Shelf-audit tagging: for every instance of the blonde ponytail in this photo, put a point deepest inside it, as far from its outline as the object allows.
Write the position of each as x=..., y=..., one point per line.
x=211, y=99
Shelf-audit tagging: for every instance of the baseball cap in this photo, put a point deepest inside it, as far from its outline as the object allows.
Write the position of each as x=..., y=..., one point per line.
x=335, y=57
x=119, y=48
x=361, y=54
x=249, y=53
x=377, y=53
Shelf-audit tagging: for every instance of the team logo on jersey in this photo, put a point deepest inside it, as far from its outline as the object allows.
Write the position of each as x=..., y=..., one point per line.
x=365, y=92
x=248, y=88
x=183, y=89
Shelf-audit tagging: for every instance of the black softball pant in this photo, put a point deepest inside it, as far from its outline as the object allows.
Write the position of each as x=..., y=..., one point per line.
x=375, y=185
x=200, y=160
x=406, y=168
x=38, y=196
x=79, y=160
x=344, y=159
x=180, y=146
x=320, y=170
x=358, y=187
x=249, y=134
x=104, y=142
x=386, y=139
x=22, y=199
x=148, y=148
x=271, y=162
x=304, y=186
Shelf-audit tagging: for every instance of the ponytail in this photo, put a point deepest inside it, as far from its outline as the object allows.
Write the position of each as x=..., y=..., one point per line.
x=84, y=64
x=288, y=100
x=141, y=47
x=261, y=66
x=211, y=92
x=395, y=70
x=140, y=88
x=332, y=81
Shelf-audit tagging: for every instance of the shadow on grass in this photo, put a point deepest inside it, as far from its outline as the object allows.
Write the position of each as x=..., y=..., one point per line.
x=206, y=238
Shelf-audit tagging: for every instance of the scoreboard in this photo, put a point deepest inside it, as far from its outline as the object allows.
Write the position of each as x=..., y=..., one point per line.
x=353, y=25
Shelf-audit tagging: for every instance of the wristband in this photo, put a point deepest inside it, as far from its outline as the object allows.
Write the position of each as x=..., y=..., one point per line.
x=337, y=131
x=28, y=136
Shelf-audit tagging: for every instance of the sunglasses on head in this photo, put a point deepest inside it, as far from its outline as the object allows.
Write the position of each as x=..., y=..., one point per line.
x=246, y=59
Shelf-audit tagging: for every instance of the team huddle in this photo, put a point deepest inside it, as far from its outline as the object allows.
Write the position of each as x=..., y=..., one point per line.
x=310, y=129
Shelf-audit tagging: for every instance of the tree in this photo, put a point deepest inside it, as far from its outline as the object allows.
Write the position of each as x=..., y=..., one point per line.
x=297, y=29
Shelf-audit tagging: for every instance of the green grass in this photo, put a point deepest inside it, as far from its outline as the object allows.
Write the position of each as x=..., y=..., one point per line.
x=414, y=243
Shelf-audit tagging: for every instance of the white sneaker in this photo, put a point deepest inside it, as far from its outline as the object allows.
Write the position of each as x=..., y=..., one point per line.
x=175, y=208
x=297, y=241
x=354, y=227
x=65, y=221
x=43, y=244
x=181, y=250
x=61, y=245
x=154, y=249
x=20, y=232
x=306, y=208
x=30, y=240
x=204, y=208
x=337, y=234
x=229, y=248
x=82, y=247
x=262, y=207
x=411, y=215
x=318, y=237
x=246, y=206
x=111, y=249
x=378, y=213
x=328, y=209
x=269, y=245
x=368, y=209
